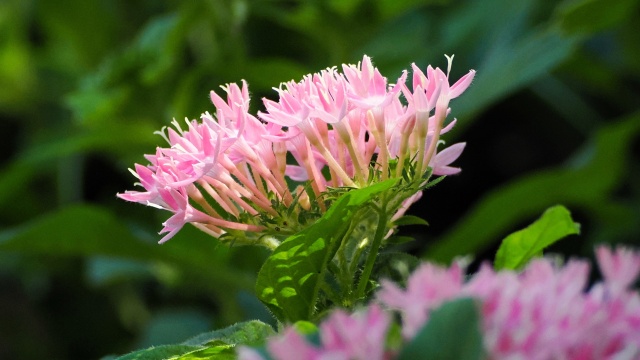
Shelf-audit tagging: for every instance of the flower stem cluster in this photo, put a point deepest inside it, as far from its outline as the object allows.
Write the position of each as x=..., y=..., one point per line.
x=229, y=173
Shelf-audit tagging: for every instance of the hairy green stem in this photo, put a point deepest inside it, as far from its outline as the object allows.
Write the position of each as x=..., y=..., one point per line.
x=345, y=275
x=373, y=251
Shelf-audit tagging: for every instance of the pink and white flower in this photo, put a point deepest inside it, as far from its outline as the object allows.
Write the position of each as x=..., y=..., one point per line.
x=543, y=312
x=352, y=124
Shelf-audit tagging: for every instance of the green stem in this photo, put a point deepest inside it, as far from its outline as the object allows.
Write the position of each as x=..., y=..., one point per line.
x=373, y=251
x=345, y=275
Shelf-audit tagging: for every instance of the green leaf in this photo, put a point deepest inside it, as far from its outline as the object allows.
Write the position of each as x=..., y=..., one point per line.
x=173, y=325
x=85, y=230
x=290, y=278
x=599, y=169
x=216, y=352
x=452, y=332
x=521, y=246
x=218, y=344
x=159, y=352
x=249, y=332
x=522, y=49
x=591, y=16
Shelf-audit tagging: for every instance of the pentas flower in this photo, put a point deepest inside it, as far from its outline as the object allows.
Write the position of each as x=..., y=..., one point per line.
x=342, y=336
x=541, y=313
x=420, y=295
x=222, y=158
x=227, y=172
x=348, y=118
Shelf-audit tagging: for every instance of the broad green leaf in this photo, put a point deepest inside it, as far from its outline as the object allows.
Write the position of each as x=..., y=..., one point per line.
x=601, y=169
x=521, y=246
x=289, y=280
x=160, y=352
x=217, y=352
x=452, y=332
x=249, y=332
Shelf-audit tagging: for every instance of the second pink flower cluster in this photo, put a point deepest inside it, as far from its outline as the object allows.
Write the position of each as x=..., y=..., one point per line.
x=542, y=313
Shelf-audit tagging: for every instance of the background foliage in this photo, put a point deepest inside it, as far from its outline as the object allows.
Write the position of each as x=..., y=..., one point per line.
x=552, y=117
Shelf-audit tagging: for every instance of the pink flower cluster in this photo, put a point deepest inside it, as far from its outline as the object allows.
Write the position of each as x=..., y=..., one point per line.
x=541, y=313
x=224, y=172
x=361, y=335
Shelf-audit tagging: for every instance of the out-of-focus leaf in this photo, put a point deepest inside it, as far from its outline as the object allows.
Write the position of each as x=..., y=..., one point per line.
x=582, y=186
x=16, y=73
x=116, y=138
x=392, y=55
x=159, y=43
x=68, y=25
x=521, y=246
x=172, y=326
x=452, y=332
x=590, y=16
x=344, y=7
x=264, y=74
x=102, y=270
x=85, y=230
x=392, y=8
x=511, y=66
x=508, y=52
x=124, y=75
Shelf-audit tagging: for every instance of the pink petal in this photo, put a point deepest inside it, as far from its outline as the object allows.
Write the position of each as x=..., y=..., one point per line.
x=620, y=267
x=445, y=157
x=462, y=84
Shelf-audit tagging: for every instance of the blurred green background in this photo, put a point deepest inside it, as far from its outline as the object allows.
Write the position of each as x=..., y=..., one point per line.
x=552, y=117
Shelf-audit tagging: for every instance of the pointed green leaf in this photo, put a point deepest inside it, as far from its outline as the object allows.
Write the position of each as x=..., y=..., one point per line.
x=452, y=332
x=521, y=246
